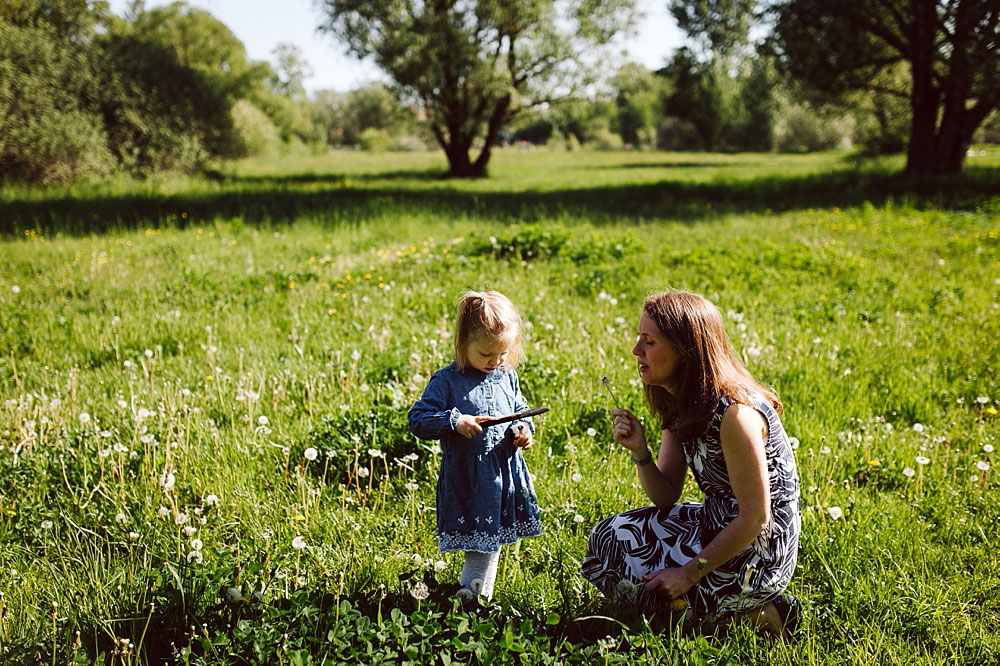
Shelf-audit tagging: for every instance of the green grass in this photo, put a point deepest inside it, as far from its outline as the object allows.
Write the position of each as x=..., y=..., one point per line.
x=319, y=295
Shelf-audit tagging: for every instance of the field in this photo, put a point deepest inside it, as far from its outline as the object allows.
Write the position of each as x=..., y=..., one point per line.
x=174, y=352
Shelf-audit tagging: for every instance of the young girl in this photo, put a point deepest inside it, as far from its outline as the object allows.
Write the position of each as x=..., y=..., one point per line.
x=485, y=498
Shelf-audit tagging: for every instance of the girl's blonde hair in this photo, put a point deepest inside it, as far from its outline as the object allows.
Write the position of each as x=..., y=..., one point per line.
x=487, y=315
x=709, y=367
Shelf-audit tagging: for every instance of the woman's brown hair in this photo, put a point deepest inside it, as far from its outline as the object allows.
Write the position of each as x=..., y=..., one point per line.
x=708, y=369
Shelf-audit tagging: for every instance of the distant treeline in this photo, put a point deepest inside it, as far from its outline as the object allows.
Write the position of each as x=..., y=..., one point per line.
x=84, y=92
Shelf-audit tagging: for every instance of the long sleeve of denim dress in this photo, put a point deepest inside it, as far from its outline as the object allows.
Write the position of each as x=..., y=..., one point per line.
x=485, y=498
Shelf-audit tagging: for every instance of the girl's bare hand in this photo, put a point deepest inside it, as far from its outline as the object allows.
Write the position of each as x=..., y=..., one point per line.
x=468, y=426
x=522, y=436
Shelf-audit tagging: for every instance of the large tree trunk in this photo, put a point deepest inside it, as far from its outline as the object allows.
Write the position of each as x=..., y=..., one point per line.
x=924, y=95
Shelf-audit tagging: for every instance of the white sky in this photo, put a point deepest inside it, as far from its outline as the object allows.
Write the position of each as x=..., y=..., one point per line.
x=263, y=24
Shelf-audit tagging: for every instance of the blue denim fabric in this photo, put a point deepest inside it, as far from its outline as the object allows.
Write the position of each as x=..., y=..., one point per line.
x=485, y=498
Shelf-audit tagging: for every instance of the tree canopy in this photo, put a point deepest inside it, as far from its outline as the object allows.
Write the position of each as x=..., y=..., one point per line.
x=952, y=49
x=472, y=66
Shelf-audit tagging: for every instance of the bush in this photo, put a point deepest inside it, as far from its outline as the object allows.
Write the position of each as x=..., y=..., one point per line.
x=374, y=140
x=47, y=134
x=254, y=134
x=802, y=129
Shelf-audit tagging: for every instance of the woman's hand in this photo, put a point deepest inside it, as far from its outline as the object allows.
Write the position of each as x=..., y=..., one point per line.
x=468, y=426
x=627, y=431
x=672, y=582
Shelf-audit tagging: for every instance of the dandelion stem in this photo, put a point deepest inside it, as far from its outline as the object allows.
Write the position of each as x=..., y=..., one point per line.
x=607, y=383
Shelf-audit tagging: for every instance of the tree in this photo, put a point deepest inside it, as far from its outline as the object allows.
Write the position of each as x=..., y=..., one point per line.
x=473, y=65
x=952, y=48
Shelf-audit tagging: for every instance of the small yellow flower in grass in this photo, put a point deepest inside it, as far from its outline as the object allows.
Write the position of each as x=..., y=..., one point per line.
x=992, y=411
x=873, y=463
x=678, y=605
x=835, y=512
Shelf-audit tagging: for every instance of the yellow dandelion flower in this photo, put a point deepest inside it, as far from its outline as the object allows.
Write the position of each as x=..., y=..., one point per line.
x=678, y=605
x=873, y=463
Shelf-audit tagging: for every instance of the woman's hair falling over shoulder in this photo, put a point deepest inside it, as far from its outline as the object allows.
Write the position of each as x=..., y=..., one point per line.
x=709, y=367
x=487, y=315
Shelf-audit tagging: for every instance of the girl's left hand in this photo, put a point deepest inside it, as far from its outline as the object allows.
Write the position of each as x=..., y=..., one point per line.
x=522, y=436
x=672, y=582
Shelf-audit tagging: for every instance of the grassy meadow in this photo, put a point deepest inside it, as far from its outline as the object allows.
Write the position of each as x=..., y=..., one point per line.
x=204, y=382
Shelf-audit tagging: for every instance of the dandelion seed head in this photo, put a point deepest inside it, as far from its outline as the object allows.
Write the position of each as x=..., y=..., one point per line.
x=196, y=544
x=576, y=478
x=310, y=454
x=591, y=432
x=908, y=471
x=987, y=448
x=298, y=543
x=923, y=460
x=420, y=591
x=84, y=418
x=918, y=427
x=211, y=500
x=578, y=519
x=835, y=512
x=195, y=557
x=121, y=518
x=983, y=466
x=47, y=524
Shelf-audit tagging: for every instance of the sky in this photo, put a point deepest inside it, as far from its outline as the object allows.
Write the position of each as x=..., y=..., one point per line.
x=263, y=24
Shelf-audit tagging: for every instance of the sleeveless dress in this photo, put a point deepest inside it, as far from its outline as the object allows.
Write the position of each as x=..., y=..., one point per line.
x=624, y=547
x=485, y=497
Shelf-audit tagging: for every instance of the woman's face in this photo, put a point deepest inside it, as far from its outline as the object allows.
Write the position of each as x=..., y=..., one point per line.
x=657, y=358
x=486, y=355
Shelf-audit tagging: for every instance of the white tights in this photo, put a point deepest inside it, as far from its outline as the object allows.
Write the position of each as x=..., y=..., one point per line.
x=480, y=571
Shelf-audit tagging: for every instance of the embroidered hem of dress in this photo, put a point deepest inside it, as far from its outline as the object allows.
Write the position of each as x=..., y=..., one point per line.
x=488, y=542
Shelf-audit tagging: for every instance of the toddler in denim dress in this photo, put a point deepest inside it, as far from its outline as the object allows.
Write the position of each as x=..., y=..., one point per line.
x=485, y=498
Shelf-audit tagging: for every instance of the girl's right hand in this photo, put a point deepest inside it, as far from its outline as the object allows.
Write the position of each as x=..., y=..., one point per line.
x=468, y=426
x=627, y=431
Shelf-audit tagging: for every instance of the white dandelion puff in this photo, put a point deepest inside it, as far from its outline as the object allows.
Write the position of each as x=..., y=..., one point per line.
x=310, y=454
x=983, y=466
x=298, y=543
x=908, y=471
x=835, y=512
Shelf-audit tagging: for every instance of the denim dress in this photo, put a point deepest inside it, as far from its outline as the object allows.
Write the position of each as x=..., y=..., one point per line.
x=485, y=498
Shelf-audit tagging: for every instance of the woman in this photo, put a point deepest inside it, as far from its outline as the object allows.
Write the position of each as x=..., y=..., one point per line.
x=734, y=554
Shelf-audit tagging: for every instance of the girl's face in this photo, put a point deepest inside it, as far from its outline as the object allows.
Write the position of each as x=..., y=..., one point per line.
x=657, y=358
x=486, y=355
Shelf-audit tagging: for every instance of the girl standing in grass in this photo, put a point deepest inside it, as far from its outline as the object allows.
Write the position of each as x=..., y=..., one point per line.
x=485, y=498
x=732, y=555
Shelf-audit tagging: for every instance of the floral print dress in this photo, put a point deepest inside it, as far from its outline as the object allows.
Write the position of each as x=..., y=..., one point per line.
x=624, y=547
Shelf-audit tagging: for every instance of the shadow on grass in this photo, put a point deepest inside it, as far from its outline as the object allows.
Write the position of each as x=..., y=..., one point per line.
x=339, y=198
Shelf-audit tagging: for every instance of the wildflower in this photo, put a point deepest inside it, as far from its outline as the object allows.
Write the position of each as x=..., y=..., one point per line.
x=793, y=442
x=142, y=413
x=46, y=524
x=908, y=471
x=624, y=591
x=825, y=450
x=189, y=531
x=918, y=427
x=211, y=500
x=196, y=544
x=923, y=460
x=974, y=478
x=439, y=565
x=121, y=518
x=412, y=486
x=420, y=591
x=262, y=420
x=195, y=556
x=266, y=535
x=181, y=518
x=233, y=594
x=992, y=411
x=417, y=560
x=576, y=478
x=163, y=511
x=375, y=453
x=873, y=463
x=133, y=536
x=987, y=448
x=298, y=543
x=591, y=432
x=362, y=472
x=578, y=519
x=678, y=605
x=835, y=512
x=167, y=481
x=148, y=353
x=84, y=418
x=310, y=454
x=15, y=288
x=983, y=466
x=982, y=400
